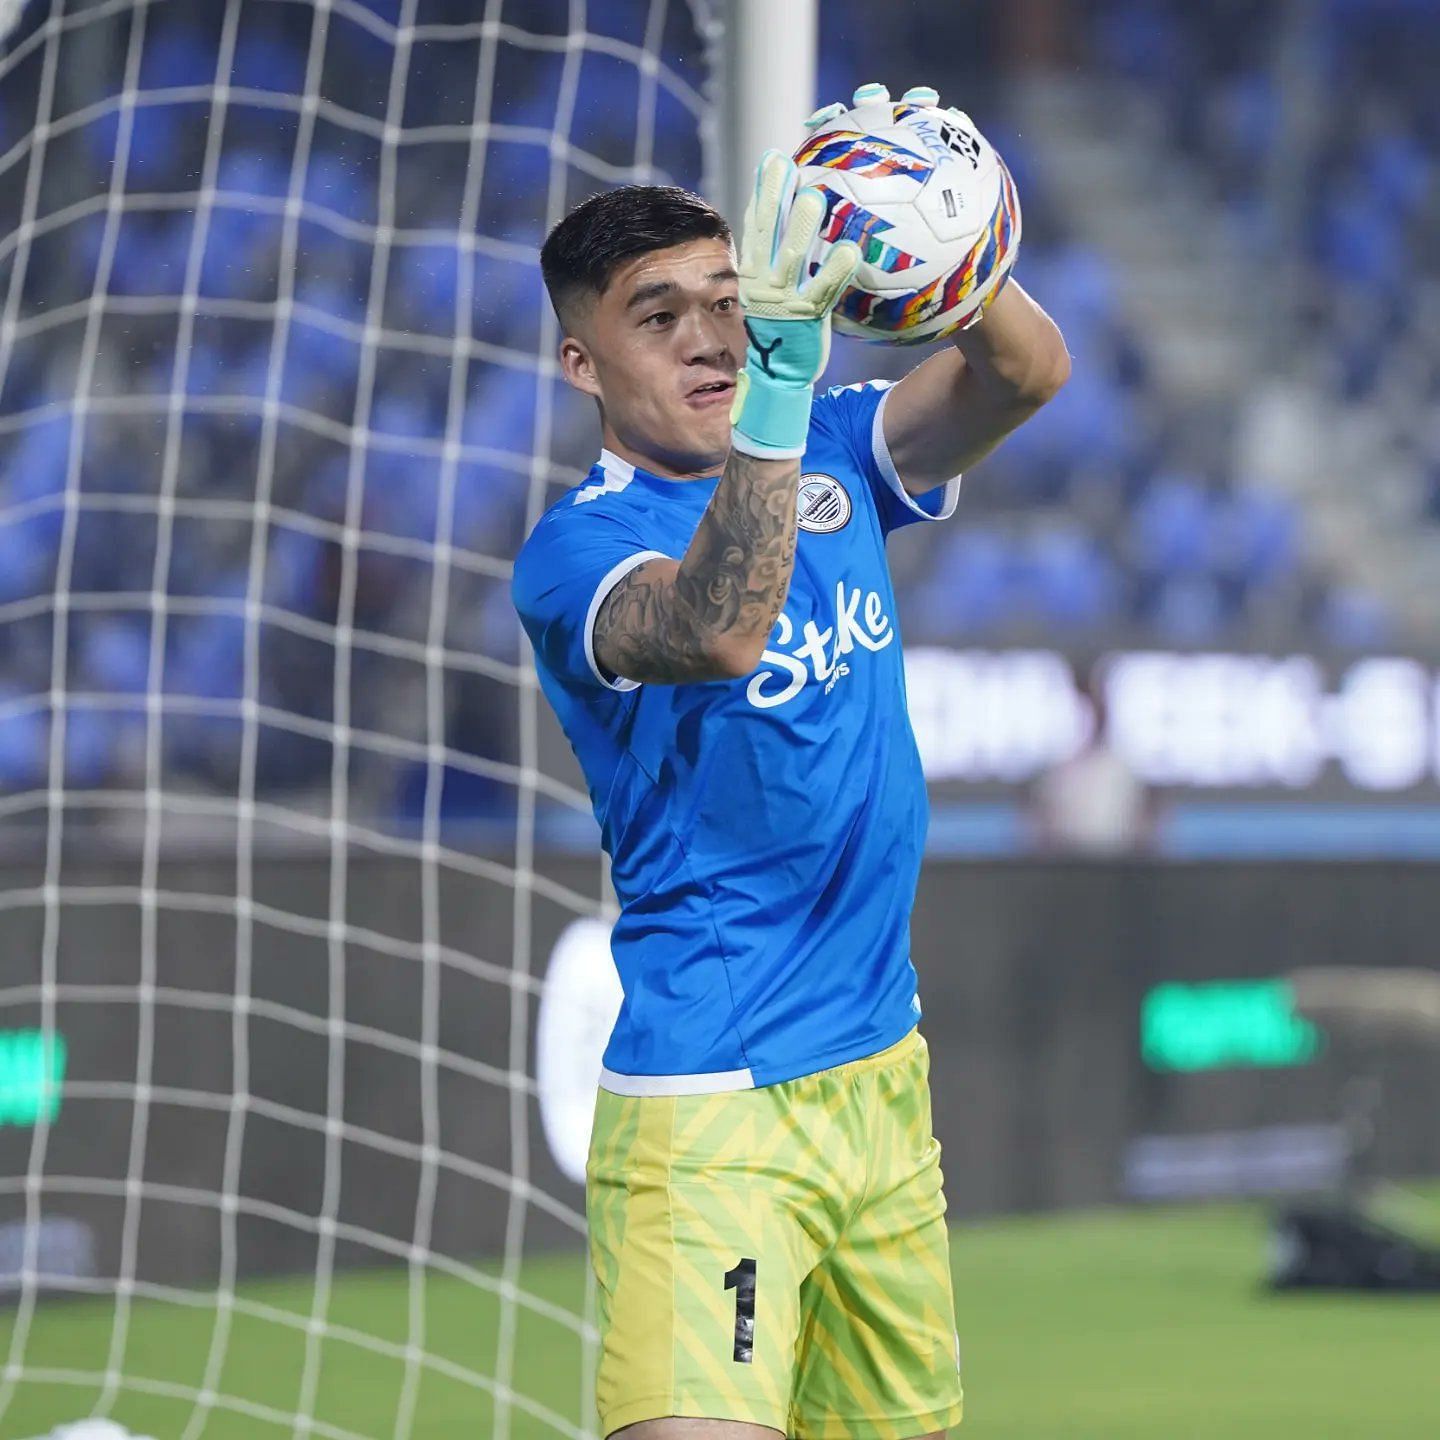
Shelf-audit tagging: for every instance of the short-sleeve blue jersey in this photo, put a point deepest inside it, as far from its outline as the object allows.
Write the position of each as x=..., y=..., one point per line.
x=765, y=833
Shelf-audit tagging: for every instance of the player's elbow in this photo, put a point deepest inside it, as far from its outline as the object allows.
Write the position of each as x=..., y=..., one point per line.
x=1046, y=372
x=1057, y=371
x=733, y=658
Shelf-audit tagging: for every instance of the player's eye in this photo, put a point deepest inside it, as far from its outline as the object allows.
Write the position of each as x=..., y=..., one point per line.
x=660, y=316
x=727, y=303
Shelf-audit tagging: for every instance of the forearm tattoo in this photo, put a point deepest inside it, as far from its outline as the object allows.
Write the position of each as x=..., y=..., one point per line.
x=666, y=627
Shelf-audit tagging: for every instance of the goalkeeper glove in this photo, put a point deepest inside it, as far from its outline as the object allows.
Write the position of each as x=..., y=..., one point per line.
x=788, y=325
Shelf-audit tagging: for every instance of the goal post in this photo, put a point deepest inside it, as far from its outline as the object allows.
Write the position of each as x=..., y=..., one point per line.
x=770, y=62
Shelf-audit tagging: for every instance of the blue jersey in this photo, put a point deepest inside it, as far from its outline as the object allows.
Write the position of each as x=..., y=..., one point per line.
x=765, y=832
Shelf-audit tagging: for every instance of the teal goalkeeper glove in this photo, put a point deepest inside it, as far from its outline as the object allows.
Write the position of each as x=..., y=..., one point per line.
x=788, y=326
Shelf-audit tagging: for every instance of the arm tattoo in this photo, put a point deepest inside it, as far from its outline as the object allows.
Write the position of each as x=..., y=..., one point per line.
x=666, y=628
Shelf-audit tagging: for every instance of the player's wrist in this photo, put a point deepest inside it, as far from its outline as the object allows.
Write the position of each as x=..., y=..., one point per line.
x=771, y=417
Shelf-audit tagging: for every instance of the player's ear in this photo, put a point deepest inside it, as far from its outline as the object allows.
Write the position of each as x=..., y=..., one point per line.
x=577, y=365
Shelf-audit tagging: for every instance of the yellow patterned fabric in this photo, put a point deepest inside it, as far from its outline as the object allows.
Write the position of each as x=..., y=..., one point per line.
x=777, y=1255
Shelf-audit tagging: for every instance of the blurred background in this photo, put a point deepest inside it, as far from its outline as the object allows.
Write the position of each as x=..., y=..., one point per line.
x=303, y=925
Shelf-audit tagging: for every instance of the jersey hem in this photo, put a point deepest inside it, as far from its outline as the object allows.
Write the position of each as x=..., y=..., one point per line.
x=716, y=1082
x=708, y=1082
x=631, y=562
x=886, y=465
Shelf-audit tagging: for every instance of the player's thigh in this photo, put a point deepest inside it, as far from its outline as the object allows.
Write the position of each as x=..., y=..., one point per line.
x=878, y=1354
x=699, y=1251
x=682, y=1429
x=673, y=1429
x=878, y=1350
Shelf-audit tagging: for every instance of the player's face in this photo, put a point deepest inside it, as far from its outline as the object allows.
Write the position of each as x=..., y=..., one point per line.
x=660, y=350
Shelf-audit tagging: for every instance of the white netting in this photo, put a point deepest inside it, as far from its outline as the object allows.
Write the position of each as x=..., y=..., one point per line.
x=276, y=406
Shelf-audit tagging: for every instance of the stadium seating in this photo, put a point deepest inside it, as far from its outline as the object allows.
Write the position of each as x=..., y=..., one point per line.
x=1096, y=522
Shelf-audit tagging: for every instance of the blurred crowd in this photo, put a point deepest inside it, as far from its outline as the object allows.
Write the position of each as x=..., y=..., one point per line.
x=1128, y=512
x=288, y=374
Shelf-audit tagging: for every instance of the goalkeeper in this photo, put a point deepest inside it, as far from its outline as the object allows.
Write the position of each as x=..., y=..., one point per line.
x=714, y=624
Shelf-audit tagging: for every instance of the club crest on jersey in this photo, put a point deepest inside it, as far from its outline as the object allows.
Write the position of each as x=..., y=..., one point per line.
x=821, y=504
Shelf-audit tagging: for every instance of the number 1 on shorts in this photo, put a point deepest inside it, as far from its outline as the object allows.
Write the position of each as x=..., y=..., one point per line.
x=742, y=1281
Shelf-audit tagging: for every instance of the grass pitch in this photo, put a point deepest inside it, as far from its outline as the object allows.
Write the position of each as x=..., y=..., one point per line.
x=1109, y=1326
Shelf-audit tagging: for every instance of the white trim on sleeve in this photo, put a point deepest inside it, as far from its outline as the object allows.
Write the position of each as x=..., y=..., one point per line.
x=892, y=476
x=629, y=563
x=713, y=1082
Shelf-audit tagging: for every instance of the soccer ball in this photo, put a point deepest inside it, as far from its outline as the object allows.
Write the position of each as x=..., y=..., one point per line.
x=929, y=202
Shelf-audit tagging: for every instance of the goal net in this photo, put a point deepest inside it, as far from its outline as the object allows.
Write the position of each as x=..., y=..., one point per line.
x=303, y=946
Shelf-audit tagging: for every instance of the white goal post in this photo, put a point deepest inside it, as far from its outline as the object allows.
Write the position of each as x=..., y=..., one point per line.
x=770, y=51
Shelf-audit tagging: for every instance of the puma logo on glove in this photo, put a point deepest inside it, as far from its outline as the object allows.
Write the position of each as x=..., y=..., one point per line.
x=760, y=351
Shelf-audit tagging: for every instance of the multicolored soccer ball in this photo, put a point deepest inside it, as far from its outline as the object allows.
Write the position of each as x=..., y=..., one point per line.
x=928, y=200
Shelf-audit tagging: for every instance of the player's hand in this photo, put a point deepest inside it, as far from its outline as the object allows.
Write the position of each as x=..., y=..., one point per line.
x=788, y=324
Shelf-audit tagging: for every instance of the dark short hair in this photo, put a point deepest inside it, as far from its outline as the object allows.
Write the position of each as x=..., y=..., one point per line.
x=582, y=253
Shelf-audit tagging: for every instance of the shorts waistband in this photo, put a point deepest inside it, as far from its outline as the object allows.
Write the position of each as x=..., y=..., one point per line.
x=905, y=1045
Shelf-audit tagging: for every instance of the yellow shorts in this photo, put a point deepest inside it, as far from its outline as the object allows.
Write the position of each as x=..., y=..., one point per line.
x=777, y=1256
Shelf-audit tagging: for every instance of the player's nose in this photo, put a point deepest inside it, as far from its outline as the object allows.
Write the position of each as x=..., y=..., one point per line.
x=706, y=341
